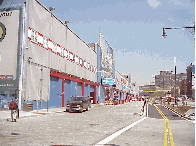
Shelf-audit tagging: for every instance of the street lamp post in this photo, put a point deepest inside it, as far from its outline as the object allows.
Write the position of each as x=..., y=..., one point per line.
x=190, y=29
x=171, y=82
x=175, y=87
x=51, y=29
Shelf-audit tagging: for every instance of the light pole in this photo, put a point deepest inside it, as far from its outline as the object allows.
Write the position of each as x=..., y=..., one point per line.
x=190, y=29
x=51, y=9
x=175, y=87
x=171, y=81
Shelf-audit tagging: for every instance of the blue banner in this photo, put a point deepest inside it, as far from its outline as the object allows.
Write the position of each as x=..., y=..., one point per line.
x=108, y=81
x=193, y=69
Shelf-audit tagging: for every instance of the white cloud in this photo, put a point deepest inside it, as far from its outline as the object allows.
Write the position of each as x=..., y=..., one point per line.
x=177, y=2
x=170, y=19
x=153, y=3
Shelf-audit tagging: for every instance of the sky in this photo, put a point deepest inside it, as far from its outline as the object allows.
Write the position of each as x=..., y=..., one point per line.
x=133, y=28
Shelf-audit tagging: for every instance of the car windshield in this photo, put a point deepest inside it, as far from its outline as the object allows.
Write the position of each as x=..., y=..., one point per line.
x=75, y=99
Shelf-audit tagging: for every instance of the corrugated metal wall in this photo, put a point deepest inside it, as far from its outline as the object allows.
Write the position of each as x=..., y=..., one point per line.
x=37, y=82
x=41, y=20
x=55, y=92
x=67, y=90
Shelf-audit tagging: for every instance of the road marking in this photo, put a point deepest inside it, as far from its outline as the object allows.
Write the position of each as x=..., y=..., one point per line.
x=114, y=135
x=170, y=134
x=165, y=133
x=167, y=126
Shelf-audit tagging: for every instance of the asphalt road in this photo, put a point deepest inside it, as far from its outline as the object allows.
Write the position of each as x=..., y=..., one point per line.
x=183, y=131
x=150, y=132
x=95, y=125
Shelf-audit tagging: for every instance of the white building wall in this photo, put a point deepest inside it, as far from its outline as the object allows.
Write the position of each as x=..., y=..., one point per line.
x=41, y=20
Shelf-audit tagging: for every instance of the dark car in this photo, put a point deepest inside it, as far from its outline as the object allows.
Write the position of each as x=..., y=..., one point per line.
x=78, y=104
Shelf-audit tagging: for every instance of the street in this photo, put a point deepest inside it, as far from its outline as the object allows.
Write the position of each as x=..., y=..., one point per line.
x=93, y=126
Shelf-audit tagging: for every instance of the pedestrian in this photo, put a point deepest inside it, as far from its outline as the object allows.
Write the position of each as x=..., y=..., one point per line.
x=14, y=110
x=143, y=106
x=141, y=113
x=144, y=102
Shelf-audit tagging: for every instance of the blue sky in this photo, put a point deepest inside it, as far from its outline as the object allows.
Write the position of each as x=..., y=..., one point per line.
x=133, y=28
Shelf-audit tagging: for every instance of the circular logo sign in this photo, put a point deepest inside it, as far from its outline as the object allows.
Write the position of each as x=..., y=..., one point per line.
x=2, y=31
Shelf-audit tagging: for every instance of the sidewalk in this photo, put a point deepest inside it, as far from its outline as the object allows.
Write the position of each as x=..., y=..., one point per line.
x=6, y=114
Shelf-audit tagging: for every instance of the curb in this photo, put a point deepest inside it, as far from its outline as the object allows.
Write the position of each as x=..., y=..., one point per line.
x=178, y=114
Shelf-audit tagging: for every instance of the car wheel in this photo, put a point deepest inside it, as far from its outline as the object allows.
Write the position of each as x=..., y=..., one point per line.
x=87, y=108
x=81, y=110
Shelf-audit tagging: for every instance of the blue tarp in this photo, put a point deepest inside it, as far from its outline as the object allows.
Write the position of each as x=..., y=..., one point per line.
x=193, y=69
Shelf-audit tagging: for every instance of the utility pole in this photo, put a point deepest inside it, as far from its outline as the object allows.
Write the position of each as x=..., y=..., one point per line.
x=175, y=87
x=190, y=29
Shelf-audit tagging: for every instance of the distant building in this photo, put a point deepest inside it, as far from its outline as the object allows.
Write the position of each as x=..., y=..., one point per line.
x=166, y=81
x=190, y=80
x=123, y=85
x=146, y=90
x=166, y=78
x=152, y=83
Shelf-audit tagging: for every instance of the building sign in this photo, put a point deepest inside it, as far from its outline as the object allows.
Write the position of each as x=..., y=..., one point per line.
x=7, y=84
x=108, y=81
x=2, y=31
x=46, y=43
x=123, y=80
x=9, y=32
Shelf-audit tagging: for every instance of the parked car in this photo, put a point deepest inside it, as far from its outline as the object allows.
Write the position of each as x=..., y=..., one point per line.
x=78, y=104
x=180, y=98
x=183, y=97
x=154, y=102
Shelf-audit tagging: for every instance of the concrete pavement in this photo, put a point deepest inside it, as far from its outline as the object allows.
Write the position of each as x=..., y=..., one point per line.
x=5, y=114
x=95, y=125
x=65, y=128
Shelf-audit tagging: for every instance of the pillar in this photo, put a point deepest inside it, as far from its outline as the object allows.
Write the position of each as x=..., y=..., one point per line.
x=83, y=89
x=62, y=92
x=94, y=99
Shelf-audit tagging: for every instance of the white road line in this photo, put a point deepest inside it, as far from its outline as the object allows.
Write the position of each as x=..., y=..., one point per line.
x=111, y=137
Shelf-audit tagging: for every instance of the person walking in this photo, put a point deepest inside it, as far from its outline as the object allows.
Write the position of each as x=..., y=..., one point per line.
x=144, y=102
x=143, y=105
x=14, y=110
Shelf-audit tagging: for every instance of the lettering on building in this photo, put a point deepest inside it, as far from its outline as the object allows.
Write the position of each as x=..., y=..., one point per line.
x=4, y=14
